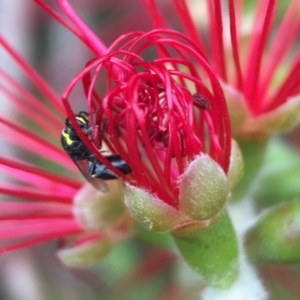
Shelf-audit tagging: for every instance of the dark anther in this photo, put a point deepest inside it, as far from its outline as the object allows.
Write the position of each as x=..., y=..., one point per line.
x=201, y=101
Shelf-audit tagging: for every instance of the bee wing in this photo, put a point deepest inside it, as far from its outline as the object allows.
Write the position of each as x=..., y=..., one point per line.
x=99, y=184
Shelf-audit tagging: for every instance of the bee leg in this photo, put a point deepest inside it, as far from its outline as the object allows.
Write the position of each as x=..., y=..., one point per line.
x=104, y=173
x=107, y=174
x=92, y=164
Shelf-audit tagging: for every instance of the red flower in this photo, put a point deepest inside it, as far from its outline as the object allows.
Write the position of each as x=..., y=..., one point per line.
x=254, y=51
x=155, y=101
x=157, y=113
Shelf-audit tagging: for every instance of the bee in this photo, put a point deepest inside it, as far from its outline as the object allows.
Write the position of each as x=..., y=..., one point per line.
x=91, y=168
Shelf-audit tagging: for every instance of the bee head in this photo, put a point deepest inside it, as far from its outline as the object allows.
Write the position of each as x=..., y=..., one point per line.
x=82, y=120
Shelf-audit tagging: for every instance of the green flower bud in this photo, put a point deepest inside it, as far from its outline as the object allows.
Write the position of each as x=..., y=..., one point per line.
x=97, y=210
x=85, y=254
x=236, y=105
x=283, y=118
x=150, y=211
x=203, y=189
x=276, y=235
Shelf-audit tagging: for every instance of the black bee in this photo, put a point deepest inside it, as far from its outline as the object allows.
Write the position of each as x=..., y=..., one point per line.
x=93, y=170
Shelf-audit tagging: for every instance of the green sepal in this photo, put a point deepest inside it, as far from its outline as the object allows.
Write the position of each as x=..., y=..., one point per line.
x=211, y=251
x=150, y=211
x=203, y=189
x=87, y=254
x=276, y=235
x=236, y=166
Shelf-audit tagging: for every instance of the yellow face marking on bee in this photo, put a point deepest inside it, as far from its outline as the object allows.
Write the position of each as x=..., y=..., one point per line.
x=81, y=119
x=67, y=138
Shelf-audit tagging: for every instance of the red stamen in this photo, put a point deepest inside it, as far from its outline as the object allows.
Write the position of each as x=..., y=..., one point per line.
x=29, y=105
x=234, y=44
x=86, y=35
x=147, y=114
x=34, y=76
x=37, y=176
x=78, y=27
x=33, y=193
x=35, y=227
x=45, y=237
x=11, y=209
x=188, y=24
x=216, y=29
x=57, y=17
x=157, y=19
x=281, y=44
x=28, y=140
x=256, y=52
x=288, y=87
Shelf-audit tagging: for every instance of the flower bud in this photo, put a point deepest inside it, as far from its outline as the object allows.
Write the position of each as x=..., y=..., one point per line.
x=280, y=178
x=96, y=210
x=150, y=211
x=283, y=118
x=87, y=253
x=236, y=104
x=203, y=189
x=276, y=235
